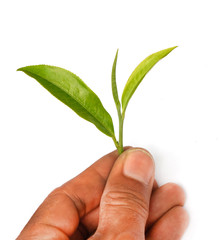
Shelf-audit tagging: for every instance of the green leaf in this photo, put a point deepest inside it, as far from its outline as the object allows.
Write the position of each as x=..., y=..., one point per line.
x=73, y=92
x=139, y=73
x=114, y=84
x=119, y=144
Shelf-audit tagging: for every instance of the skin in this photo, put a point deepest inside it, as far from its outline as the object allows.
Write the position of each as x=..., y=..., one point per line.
x=104, y=203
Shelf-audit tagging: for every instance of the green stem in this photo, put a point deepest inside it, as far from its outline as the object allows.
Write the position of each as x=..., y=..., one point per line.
x=119, y=144
x=121, y=124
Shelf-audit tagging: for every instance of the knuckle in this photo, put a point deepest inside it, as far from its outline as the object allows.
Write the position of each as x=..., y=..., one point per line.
x=127, y=200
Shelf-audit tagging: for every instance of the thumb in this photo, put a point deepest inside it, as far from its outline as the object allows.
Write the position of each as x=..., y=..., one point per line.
x=124, y=204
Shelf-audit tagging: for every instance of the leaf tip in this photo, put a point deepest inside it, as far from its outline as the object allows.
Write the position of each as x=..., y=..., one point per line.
x=22, y=69
x=19, y=69
x=169, y=50
x=174, y=47
x=117, y=51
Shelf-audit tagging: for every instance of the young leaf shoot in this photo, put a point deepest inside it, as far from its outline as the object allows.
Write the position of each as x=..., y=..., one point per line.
x=72, y=91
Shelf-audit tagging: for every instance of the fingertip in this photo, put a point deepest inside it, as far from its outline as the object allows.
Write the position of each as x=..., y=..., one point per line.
x=171, y=226
x=177, y=191
x=184, y=216
x=138, y=165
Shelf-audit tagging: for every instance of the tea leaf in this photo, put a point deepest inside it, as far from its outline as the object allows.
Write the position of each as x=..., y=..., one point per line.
x=73, y=92
x=119, y=144
x=114, y=84
x=139, y=73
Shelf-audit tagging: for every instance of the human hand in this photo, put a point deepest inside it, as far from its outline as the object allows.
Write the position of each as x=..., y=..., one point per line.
x=115, y=198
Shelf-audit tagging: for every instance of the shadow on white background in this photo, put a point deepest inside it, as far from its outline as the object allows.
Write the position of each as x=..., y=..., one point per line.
x=175, y=112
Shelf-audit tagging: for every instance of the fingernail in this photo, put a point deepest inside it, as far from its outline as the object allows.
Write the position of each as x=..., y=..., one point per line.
x=139, y=165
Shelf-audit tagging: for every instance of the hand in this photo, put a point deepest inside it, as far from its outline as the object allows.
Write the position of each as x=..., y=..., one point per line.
x=115, y=198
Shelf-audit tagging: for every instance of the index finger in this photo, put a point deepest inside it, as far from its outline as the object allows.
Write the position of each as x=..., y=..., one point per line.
x=61, y=211
x=86, y=188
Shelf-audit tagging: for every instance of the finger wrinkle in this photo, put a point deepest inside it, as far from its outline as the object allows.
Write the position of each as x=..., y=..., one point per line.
x=102, y=178
x=47, y=225
x=126, y=200
x=79, y=204
x=43, y=231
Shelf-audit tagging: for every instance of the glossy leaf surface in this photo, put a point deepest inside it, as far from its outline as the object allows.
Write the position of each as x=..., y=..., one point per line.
x=73, y=92
x=139, y=73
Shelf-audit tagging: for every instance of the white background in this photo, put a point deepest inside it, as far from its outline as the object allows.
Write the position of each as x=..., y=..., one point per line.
x=175, y=112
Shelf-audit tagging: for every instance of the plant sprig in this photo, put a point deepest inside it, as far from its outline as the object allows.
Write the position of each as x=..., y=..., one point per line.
x=72, y=91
